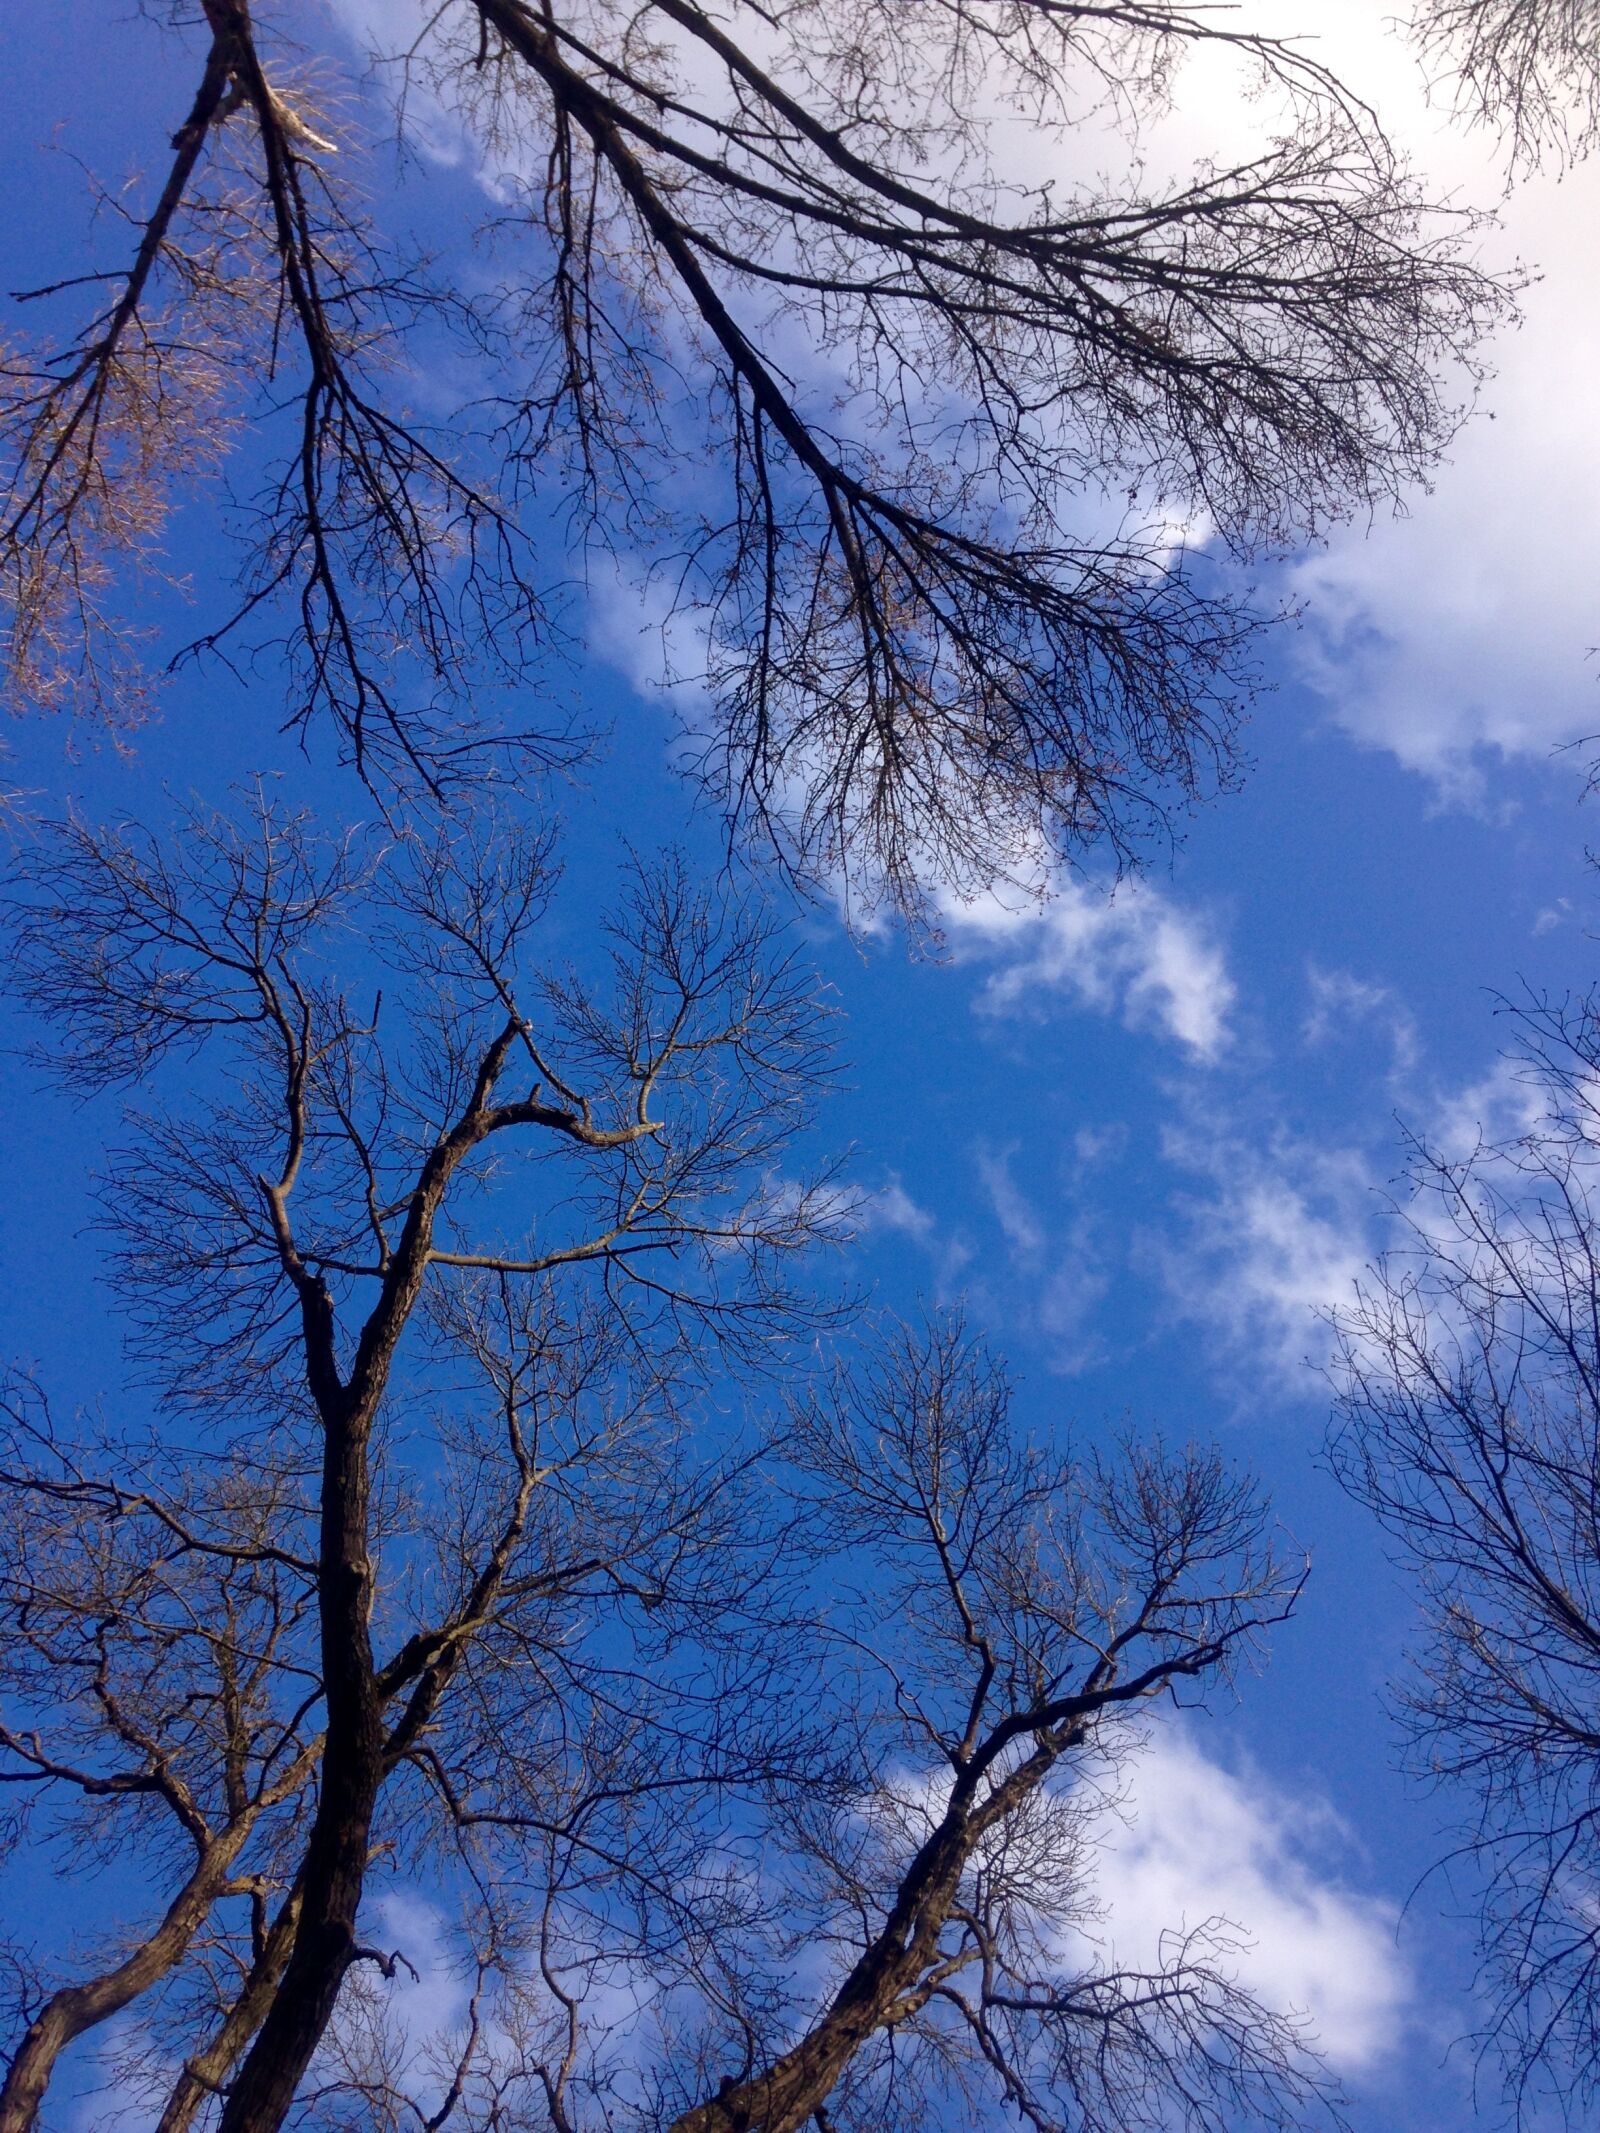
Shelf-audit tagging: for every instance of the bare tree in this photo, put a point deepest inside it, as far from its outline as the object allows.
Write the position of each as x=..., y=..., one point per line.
x=1529, y=68
x=906, y=432
x=308, y=1268
x=1471, y=1425
x=910, y=1933
x=790, y=1740
x=1008, y=1611
x=157, y=1692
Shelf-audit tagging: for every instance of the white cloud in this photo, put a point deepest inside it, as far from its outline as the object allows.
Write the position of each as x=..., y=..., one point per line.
x=1458, y=631
x=892, y=1208
x=1057, y=1266
x=1020, y=1226
x=1130, y=951
x=1278, y=1238
x=891, y=1211
x=1061, y=1260
x=1340, y=1001
x=1460, y=634
x=1278, y=1228
x=1100, y=1144
x=1499, y=1107
x=1191, y=1843
x=1175, y=1844
x=428, y=1994
x=1069, y=1300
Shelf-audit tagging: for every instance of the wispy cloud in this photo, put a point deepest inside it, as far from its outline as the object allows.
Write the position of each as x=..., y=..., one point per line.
x=1275, y=1235
x=1498, y=1107
x=1131, y=951
x=1019, y=1224
x=1342, y=1004
x=1274, y=1228
x=1057, y=1259
x=892, y=1208
x=891, y=1211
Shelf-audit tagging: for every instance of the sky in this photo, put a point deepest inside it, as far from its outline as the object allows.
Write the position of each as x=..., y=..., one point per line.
x=1149, y=1136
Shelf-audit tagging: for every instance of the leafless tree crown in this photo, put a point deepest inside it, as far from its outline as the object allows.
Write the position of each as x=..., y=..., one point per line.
x=1003, y=1614
x=913, y=443
x=316, y=1270
x=764, y=1762
x=1471, y=1425
x=1528, y=68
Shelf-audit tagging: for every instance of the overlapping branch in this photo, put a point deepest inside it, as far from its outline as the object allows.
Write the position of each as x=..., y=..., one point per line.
x=939, y=466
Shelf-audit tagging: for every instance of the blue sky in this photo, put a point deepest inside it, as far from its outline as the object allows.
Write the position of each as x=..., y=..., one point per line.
x=1148, y=1137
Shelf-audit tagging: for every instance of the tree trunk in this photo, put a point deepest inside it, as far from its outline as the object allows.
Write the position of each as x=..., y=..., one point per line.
x=352, y=1770
x=888, y=1972
x=76, y=2008
x=353, y=1759
x=206, y=2072
x=788, y=2094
